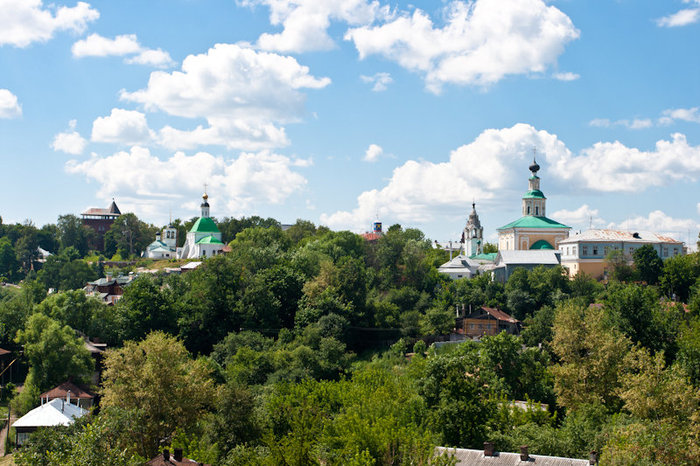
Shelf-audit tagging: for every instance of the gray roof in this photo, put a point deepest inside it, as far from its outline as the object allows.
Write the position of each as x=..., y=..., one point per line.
x=476, y=458
x=461, y=262
x=56, y=412
x=529, y=256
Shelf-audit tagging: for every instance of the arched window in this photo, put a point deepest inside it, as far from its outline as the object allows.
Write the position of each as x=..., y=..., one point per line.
x=537, y=210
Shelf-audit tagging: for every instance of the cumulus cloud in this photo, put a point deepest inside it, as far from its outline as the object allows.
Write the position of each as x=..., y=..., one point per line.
x=490, y=167
x=235, y=184
x=373, y=153
x=567, y=76
x=682, y=17
x=96, y=45
x=70, y=142
x=305, y=22
x=26, y=21
x=9, y=105
x=658, y=222
x=379, y=81
x=127, y=127
x=480, y=43
x=244, y=95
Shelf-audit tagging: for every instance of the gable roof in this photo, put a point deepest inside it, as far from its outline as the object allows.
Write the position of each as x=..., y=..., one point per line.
x=500, y=315
x=530, y=221
x=54, y=413
x=61, y=391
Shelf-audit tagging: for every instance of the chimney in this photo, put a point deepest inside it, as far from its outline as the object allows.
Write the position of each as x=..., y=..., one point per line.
x=593, y=457
x=178, y=454
x=524, y=456
x=68, y=397
x=166, y=454
x=489, y=449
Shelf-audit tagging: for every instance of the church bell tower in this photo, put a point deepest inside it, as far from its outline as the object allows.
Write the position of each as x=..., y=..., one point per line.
x=473, y=235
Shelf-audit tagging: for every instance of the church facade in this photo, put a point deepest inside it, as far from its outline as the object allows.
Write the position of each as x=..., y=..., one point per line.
x=204, y=238
x=534, y=230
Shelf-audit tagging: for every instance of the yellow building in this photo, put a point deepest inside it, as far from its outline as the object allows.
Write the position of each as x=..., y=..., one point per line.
x=533, y=230
x=586, y=252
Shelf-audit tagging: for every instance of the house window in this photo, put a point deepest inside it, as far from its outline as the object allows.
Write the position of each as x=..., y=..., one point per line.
x=575, y=250
x=675, y=251
x=585, y=250
x=631, y=251
x=595, y=250
x=607, y=250
x=665, y=251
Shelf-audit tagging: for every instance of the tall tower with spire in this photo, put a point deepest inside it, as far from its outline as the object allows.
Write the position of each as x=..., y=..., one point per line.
x=473, y=236
x=534, y=202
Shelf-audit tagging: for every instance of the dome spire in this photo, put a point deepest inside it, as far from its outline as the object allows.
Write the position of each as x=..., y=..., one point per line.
x=205, y=203
x=534, y=168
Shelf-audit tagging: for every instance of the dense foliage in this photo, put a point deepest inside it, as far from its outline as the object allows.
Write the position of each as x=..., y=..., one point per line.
x=294, y=349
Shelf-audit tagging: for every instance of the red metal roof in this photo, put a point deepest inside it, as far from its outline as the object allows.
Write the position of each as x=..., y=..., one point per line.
x=500, y=315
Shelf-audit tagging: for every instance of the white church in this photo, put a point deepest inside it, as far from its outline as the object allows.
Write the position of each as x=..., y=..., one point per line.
x=203, y=239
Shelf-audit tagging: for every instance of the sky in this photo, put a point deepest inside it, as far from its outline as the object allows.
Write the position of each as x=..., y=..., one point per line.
x=343, y=112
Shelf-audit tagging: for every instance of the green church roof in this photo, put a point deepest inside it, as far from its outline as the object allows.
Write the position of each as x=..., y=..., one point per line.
x=211, y=239
x=534, y=194
x=485, y=256
x=204, y=225
x=530, y=221
x=541, y=244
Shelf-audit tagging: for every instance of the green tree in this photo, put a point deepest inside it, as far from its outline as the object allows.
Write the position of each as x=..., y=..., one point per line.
x=632, y=309
x=619, y=266
x=157, y=382
x=679, y=275
x=591, y=356
x=73, y=308
x=8, y=261
x=54, y=353
x=128, y=236
x=72, y=233
x=648, y=264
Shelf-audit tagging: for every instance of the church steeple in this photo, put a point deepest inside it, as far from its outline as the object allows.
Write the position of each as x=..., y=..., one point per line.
x=473, y=236
x=205, y=204
x=534, y=202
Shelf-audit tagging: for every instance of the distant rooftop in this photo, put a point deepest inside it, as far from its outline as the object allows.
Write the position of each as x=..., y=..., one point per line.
x=111, y=211
x=619, y=235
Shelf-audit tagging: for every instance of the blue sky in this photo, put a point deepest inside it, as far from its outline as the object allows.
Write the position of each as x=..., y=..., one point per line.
x=342, y=111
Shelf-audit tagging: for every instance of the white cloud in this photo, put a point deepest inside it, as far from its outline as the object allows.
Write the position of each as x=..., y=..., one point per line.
x=373, y=153
x=305, y=22
x=568, y=76
x=682, y=17
x=637, y=123
x=380, y=81
x=70, y=142
x=583, y=217
x=25, y=21
x=481, y=42
x=659, y=222
x=9, y=105
x=490, y=169
x=122, y=127
x=243, y=94
x=685, y=114
x=95, y=45
x=234, y=184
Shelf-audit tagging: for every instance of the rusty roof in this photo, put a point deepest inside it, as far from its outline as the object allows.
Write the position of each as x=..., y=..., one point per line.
x=4, y=352
x=61, y=391
x=500, y=315
x=620, y=235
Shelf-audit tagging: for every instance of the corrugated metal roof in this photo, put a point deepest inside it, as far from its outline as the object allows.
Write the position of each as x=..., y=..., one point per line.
x=476, y=458
x=54, y=413
x=619, y=235
x=530, y=256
